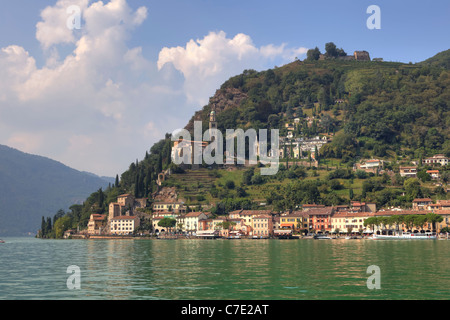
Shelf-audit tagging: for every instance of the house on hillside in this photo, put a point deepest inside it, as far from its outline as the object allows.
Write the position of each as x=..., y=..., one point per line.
x=437, y=159
x=408, y=172
x=421, y=204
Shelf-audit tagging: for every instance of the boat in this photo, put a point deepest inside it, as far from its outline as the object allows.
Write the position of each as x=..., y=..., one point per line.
x=1, y=241
x=321, y=237
x=405, y=236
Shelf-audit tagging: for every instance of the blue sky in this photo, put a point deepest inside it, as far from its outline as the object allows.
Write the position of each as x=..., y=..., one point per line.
x=138, y=68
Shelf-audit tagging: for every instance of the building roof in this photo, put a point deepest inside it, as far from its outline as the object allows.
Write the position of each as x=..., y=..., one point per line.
x=295, y=214
x=321, y=211
x=422, y=200
x=263, y=216
x=193, y=214
x=399, y=212
x=125, y=218
x=255, y=212
x=97, y=216
x=351, y=214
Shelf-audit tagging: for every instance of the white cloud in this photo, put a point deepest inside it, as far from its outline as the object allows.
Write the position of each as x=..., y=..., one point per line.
x=206, y=63
x=101, y=106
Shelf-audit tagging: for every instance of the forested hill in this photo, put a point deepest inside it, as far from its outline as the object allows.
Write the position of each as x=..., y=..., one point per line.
x=395, y=108
x=33, y=186
x=389, y=110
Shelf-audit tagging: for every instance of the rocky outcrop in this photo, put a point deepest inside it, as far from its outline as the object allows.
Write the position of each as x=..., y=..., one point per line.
x=222, y=100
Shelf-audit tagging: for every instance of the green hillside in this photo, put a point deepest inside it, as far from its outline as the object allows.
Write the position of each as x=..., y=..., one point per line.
x=393, y=111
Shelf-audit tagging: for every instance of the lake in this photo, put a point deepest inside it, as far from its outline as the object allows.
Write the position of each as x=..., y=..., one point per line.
x=224, y=269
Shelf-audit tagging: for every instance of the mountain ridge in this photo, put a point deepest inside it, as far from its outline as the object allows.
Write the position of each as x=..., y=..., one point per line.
x=34, y=186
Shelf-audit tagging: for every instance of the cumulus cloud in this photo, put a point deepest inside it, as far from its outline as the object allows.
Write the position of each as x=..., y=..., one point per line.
x=100, y=106
x=215, y=58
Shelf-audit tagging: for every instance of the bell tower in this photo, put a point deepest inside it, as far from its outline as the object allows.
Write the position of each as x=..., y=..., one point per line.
x=212, y=119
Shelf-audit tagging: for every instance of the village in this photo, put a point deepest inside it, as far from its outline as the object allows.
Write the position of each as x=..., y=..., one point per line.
x=127, y=216
x=166, y=216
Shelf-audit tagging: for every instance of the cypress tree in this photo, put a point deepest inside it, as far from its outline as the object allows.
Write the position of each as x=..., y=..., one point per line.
x=43, y=228
x=116, y=184
x=48, y=227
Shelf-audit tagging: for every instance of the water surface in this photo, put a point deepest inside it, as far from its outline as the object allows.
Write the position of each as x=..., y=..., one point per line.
x=223, y=269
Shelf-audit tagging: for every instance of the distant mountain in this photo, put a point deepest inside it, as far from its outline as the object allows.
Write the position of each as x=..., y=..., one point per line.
x=32, y=186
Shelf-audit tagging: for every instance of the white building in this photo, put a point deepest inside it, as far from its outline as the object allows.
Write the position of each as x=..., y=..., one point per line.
x=191, y=221
x=437, y=159
x=124, y=225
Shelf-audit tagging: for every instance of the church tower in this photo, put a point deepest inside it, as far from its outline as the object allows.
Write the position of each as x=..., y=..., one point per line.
x=212, y=119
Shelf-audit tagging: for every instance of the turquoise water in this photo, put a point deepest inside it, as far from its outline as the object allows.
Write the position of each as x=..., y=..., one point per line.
x=223, y=269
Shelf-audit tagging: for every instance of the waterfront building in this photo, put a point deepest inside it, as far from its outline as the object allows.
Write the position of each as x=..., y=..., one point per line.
x=262, y=226
x=320, y=219
x=96, y=223
x=350, y=222
x=247, y=215
x=191, y=221
x=124, y=225
x=297, y=220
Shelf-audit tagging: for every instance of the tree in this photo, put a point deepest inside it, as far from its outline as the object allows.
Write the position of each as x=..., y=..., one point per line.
x=43, y=228
x=412, y=189
x=409, y=221
x=330, y=50
x=313, y=54
x=433, y=218
x=419, y=221
x=372, y=222
x=167, y=223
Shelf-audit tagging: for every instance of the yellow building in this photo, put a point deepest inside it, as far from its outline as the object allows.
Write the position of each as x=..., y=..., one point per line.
x=177, y=207
x=350, y=221
x=262, y=226
x=297, y=220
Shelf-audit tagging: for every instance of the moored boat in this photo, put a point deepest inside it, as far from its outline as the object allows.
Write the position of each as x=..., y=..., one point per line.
x=321, y=237
x=405, y=236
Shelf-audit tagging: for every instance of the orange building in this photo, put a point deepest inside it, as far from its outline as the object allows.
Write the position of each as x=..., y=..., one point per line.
x=320, y=219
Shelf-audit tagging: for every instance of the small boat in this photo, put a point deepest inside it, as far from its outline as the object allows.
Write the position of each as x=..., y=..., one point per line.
x=405, y=236
x=321, y=237
x=1, y=241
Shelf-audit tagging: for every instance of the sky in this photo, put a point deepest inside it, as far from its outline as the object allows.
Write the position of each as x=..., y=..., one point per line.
x=97, y=97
